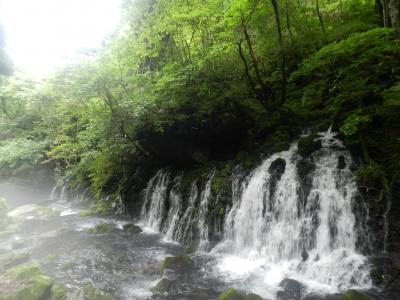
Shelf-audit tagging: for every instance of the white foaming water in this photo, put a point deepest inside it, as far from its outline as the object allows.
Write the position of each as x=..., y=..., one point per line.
x=154, y=201
x=279, y=225
x=175, y=202
x=203, y=211
x=313, y=242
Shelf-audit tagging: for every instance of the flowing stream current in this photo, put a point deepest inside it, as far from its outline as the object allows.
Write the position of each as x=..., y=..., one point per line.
x=280, y=225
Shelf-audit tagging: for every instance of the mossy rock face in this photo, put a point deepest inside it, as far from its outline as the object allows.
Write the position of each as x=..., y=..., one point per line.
x=231, y=294
x=180, y=263
x=309, y=144
x=132, y=228
x=103, y=228
x=163, y=286
x=354, y=295
x=37, y=288
x=58, y=292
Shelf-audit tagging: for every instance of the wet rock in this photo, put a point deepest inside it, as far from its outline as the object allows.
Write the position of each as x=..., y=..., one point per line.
x=354, y=295
x=163, y=286
x=37, y=288
x=180, y=263
x=231, y=294
x=132, y=228
x=11, y=259
x=290, y=290
x=277, y=167
x=103, y=228
x=341, y=162
x=304, y=168
x=24, y=272
x=309, y=144
x=304, y=255
x=252, y=296
x=89, y=292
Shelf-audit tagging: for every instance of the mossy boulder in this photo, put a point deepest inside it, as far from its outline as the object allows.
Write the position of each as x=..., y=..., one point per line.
x=89, y=292
x=132, y=228
x=252, y=296
x=24, y=272
x=309, y=144
x=181, y=263
x=37, y=288
x=163, y=286
x=231, y=294
x=100, y=208
x=354, y=295
x=103, y=228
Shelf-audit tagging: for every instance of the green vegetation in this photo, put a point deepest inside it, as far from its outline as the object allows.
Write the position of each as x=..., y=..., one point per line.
x=103, y=228
x=354, y=295
x=190, y=83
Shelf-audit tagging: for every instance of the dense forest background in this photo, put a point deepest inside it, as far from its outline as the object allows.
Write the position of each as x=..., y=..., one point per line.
x=191, y=83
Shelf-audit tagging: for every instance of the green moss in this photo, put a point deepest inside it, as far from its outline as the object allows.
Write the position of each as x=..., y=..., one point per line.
x=309, y=144
x=24, y=272
x=231, y=294
x=37, y=288
x=103, y=228
x=189, y=177
x=181, y=263
x=354, y=295
x=163, y=286
x=252, y=296
x=372, y=175
x=100, y=208
x=58, y=292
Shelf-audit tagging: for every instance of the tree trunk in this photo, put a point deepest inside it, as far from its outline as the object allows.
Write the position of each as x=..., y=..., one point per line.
x=282, y=50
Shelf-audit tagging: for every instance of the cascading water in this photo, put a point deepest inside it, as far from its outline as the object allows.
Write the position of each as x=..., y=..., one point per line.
x=282, y=222
x=154, y=201
x=314, y=242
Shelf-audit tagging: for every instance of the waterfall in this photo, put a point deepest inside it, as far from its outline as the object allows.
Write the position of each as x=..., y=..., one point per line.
x=283, y=220
x=203, y=213
x=313, y=241
x=154, y=201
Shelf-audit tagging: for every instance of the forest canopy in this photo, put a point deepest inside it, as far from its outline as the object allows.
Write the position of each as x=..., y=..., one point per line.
x=189, y=82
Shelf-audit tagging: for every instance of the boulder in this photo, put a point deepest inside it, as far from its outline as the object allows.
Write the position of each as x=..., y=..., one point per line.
x=163, y=286
x=309, y=144
x=290, y=290
x=103, y=228
x=180, y=263
x=231, y=294
x=132, y=228
x=277, y=167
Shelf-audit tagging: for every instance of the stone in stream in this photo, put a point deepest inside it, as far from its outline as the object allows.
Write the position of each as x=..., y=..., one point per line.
x=290, y=290
x=132, y=228
x=89, y=292
x=277, y=167
x=103, y=228
x=28, y=282
x=309, y=144
x=180, y=264
x=233, y=294
x=163, y=286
